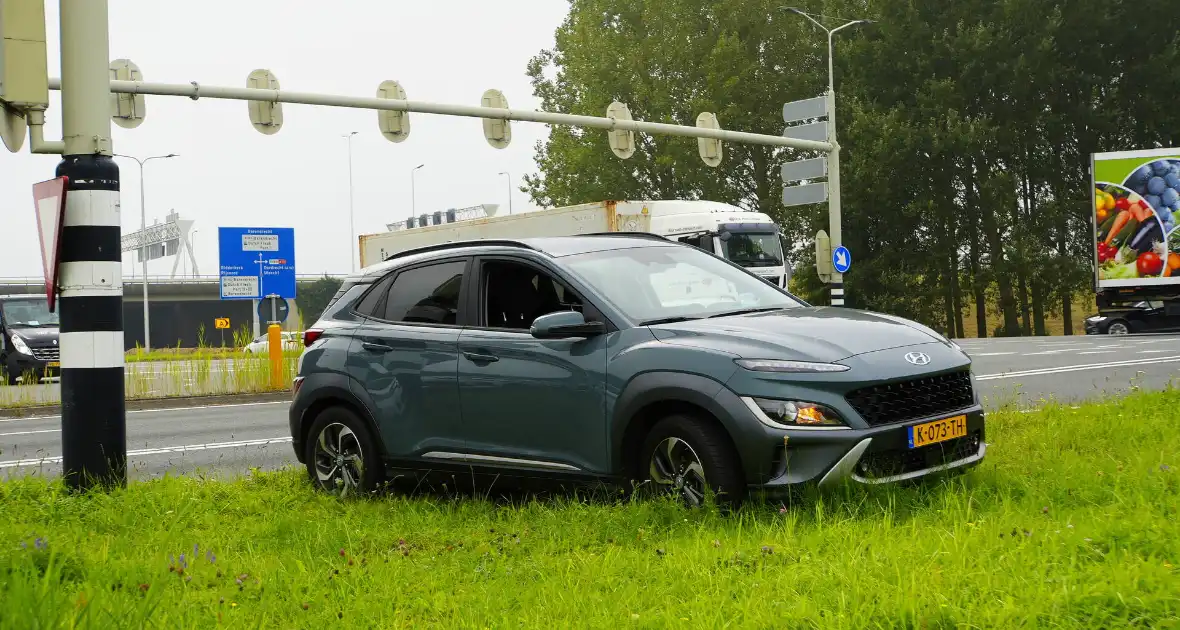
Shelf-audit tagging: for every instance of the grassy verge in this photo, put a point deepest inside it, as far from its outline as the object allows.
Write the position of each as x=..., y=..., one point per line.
x=192, y=354
x=1071, y=521
x=240, y=374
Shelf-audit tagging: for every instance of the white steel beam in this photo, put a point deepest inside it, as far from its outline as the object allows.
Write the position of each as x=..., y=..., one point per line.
x=197, y=91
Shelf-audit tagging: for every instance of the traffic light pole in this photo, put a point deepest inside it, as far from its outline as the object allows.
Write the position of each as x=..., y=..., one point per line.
x=93, y=413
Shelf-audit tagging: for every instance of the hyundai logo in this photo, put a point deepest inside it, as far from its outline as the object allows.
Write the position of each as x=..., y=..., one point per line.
x=917, y=358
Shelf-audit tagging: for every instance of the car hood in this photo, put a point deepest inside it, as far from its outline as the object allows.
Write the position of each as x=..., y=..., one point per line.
x=36, y=336
x=823, y=334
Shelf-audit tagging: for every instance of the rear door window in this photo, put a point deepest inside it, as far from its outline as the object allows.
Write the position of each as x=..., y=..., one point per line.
x=427, y=294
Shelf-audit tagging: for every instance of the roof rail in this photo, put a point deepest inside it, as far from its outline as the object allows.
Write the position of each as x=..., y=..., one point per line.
x=647, y=235
x=494, y=242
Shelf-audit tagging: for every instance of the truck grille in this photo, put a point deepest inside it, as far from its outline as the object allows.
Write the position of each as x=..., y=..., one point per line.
x=903, y=461
x=909, y=400
x=51, y=353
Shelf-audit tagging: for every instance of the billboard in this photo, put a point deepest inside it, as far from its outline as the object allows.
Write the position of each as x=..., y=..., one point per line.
x=1136, y=205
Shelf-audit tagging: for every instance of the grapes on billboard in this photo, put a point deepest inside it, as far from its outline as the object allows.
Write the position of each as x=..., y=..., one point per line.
x=1136, y=205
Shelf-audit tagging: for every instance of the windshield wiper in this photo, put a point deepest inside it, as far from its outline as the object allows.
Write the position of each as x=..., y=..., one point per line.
x=747, y=311
x=668, y=320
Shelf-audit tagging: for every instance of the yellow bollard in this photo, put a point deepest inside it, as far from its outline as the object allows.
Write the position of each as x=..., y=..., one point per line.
x=274, y=343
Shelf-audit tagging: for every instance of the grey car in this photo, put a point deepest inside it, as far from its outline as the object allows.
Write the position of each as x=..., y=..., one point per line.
x=619, y=358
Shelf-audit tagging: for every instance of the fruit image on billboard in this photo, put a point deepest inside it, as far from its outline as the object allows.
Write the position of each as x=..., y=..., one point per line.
x=1136, y=196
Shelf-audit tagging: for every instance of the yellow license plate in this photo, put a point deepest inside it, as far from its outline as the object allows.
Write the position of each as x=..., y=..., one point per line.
x=938, y=431
x=54, y=364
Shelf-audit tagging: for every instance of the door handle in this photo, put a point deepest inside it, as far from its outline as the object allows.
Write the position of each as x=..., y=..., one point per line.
x=376, y=347
x=475, y=357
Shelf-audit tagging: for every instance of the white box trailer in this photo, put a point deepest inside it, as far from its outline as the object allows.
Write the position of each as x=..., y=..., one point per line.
x=750, y=239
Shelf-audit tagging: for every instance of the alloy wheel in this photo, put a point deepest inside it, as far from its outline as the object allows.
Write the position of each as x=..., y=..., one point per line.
x=339, y=460
x=1118, y=328
x=676, y=468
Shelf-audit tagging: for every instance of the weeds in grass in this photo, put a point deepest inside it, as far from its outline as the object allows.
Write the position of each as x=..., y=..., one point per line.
x=1070, y=522
x=195, y=375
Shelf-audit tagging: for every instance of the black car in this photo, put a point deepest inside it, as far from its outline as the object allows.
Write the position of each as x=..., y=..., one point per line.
x=1146, y=316
x=28, y=339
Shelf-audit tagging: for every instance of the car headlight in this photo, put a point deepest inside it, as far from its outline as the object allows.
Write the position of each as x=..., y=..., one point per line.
x=797, y=367
x=785, y=414
x=20, y=345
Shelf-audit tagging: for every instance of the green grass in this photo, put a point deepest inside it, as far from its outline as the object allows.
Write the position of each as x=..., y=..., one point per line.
x=207, y=376
x=1071, y=521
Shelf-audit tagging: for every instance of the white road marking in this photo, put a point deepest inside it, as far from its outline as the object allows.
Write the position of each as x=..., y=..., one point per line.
x=992, y=354
x=1098, y=352
x=1152, y=351
x=18, y=463
x=1078, y=368
x=30, y=432
x=227, y=405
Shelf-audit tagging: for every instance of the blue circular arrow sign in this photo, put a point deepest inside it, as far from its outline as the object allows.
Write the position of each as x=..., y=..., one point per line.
x=264, y=312
x=841, y=259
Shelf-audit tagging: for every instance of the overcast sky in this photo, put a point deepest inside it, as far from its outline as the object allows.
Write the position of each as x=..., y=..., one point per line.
x=228, y=174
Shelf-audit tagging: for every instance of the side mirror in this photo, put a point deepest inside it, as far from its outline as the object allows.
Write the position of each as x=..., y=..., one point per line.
x=565, y=325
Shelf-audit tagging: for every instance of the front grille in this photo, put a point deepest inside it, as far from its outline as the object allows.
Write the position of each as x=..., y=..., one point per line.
x=51, y=353
x=910, y=400
x=902, y=461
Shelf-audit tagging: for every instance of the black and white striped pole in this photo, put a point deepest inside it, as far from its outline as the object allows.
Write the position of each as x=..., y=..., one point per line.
x=90, y=280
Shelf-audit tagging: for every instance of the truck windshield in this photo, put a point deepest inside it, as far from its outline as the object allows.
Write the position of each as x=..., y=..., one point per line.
x=28, y=313
x=753, y=249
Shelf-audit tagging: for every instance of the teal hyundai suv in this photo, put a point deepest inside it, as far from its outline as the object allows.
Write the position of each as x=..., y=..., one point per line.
x=623, y=358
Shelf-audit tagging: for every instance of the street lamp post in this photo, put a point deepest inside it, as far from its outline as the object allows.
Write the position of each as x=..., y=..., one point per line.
x=509, y=191
x=147, y=331
x=413, y=193
x=192, y=239
x=351, y=224
x=834, y=219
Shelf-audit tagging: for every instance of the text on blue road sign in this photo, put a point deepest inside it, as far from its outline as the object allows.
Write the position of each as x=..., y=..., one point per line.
x=256, y=262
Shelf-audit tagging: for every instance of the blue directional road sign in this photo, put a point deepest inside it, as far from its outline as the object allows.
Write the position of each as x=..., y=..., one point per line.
x=256, y=262
x=841, y=259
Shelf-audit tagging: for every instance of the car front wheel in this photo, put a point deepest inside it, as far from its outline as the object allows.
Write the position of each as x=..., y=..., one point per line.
x=341, y=455
x=1118, y=328
x=689, y=458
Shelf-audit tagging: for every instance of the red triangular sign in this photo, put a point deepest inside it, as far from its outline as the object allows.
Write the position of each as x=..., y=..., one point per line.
x=49, y=197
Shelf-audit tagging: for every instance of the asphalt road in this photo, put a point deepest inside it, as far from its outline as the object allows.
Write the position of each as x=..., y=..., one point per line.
x=229, y=440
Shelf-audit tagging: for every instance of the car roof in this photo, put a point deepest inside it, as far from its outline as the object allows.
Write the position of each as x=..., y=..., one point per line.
x=552, y=246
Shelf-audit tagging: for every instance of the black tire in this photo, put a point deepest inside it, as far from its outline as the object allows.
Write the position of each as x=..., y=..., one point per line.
x=710, y=446
x=1111, y=327
x=347, y=435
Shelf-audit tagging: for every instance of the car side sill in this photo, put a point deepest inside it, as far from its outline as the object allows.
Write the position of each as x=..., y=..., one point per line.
x=492, y=459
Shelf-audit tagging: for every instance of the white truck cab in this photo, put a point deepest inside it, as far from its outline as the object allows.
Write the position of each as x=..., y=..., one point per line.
x=749, y=239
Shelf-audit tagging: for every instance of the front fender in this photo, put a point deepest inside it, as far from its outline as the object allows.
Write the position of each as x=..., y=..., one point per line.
x=680, y=387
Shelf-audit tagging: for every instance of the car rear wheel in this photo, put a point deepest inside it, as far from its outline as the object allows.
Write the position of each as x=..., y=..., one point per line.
x=341, y=455
x=1118, y=328
x=687, y=457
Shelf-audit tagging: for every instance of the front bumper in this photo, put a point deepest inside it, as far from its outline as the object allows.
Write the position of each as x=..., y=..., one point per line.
x=22, y=365
x=877, y=455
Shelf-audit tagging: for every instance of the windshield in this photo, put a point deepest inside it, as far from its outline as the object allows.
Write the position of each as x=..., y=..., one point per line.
x=31, y=312
x=750, y=249
x=655, y=284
